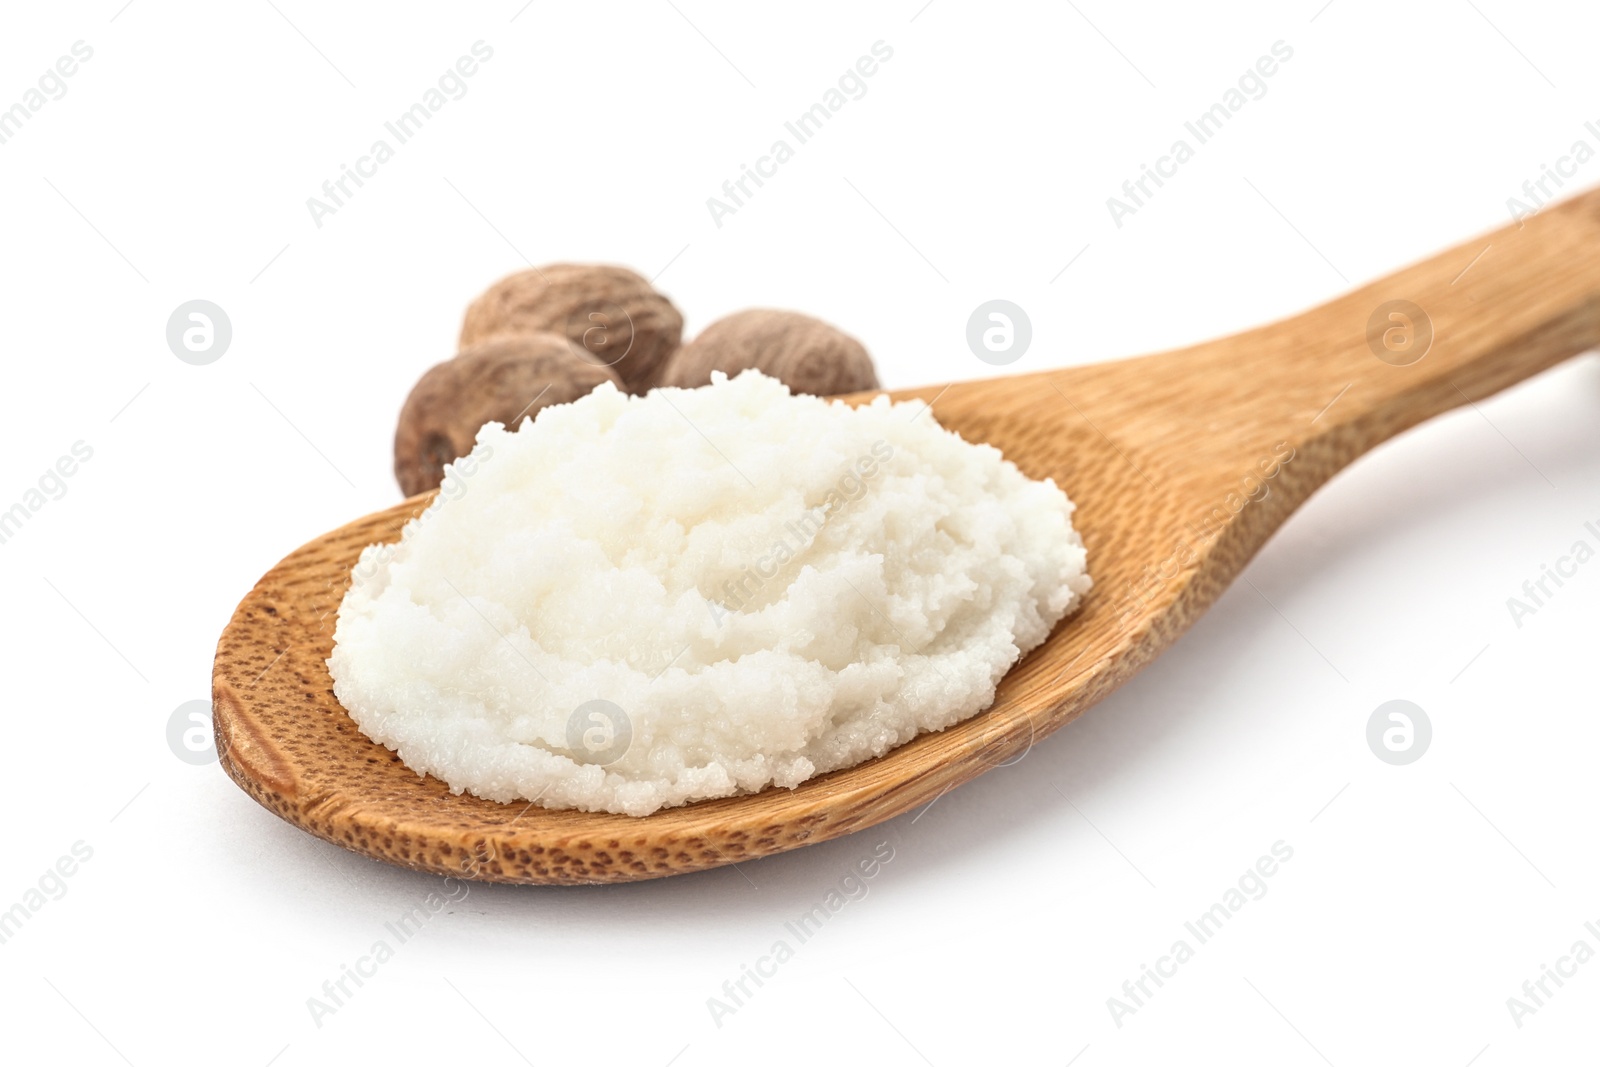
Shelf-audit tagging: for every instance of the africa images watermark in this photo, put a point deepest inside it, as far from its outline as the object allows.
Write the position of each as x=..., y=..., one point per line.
x=737, y=992
x=51, y=85
x=1539, y=191
x=51, y=885
x=805, y=126
x=410, y=122
x=1536, y=991
x=52, y=485
x=1137, y=992
x=1537, y=592
x=799, y=534
x=337, y=992
x=1252, y=85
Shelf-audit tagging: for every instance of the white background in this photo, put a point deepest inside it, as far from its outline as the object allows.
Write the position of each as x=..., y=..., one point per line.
x=177, y=166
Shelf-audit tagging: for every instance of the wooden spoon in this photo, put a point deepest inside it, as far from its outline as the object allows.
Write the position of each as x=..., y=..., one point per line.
x=1181, y=464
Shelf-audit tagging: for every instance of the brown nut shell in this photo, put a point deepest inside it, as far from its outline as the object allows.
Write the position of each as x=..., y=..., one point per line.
x=500, y=380
x=806, y=354
x=611, y=316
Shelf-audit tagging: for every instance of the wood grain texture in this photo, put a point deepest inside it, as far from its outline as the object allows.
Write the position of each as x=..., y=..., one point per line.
x=1168, y=458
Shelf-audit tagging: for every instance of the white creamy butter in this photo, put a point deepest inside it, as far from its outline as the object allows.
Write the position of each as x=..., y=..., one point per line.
x=637, y=602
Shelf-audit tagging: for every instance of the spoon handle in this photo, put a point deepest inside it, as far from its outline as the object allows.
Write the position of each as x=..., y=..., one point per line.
x=1453, y=329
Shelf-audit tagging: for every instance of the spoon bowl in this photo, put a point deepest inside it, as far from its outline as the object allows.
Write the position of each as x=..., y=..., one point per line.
x=1181, y=464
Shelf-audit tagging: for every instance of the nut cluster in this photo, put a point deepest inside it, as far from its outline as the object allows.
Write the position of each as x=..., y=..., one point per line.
x=551, y=335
